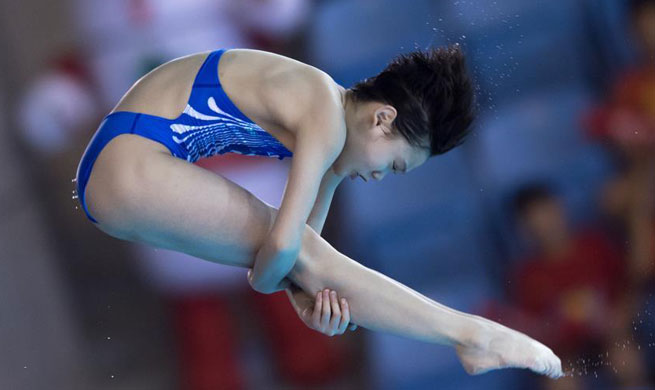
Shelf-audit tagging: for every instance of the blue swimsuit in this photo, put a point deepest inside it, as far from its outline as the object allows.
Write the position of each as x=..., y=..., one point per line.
x=210, y=124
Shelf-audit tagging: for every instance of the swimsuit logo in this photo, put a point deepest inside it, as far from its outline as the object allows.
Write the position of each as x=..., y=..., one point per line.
x=208, y=135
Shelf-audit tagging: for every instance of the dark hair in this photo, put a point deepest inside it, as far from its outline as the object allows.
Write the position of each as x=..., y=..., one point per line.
x=529, y=194
x=432, y=93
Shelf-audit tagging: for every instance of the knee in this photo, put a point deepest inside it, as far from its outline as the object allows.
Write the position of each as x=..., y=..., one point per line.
x=114, y=201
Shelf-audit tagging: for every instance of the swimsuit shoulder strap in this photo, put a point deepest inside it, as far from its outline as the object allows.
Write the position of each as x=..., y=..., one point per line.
x=208, y=74
x=207, y=95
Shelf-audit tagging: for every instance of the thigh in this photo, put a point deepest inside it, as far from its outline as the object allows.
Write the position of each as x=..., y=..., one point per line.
x=173, y=204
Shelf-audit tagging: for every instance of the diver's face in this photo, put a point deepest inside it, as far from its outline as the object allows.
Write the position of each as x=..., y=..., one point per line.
x=372, y=150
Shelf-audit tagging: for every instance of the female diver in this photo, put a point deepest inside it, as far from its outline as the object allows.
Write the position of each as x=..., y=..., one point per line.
x=135, y=182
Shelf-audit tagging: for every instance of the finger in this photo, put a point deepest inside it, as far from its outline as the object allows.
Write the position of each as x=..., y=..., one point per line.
x=353, y=327
x=316, y=315
x=326, y=313
x=336, y=312
x=345, y=318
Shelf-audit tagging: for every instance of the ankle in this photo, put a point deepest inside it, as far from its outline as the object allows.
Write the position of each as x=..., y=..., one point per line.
x=474, y=332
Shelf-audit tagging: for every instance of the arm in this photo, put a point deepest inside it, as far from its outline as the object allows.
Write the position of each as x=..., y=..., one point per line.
x=315, y=151
x=319, y=213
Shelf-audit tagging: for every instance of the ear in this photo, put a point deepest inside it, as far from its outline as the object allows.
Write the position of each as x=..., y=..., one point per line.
x=385, y=114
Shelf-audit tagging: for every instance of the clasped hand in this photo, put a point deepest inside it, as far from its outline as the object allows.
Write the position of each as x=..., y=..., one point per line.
x=324, y=312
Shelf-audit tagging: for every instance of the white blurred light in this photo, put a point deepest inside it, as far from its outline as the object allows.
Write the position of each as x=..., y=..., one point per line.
x=55, y=106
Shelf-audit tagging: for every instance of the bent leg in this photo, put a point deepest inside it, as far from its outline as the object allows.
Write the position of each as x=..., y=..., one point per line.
x=378, y=302
x=180, y=206
x=172, y=204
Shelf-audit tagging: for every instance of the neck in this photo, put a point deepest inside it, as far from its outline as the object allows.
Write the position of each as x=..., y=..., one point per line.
x=349, y=104
x=347, y=101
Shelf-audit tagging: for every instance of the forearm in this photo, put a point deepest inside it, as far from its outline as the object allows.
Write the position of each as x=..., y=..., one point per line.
x=321, y=207
x=317, y=218
x=378, y=302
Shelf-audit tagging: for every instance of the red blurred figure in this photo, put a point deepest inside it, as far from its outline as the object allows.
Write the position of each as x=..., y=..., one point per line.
x=627, y=117
x=572, y=292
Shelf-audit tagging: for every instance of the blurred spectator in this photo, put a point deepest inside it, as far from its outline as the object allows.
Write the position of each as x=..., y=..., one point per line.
x=626, y=122
x=571, y=291
x=58, y=105
x=124, y=39
x=627, y=117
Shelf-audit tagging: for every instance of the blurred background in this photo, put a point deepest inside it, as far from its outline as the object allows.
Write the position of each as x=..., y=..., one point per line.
x=544, y=220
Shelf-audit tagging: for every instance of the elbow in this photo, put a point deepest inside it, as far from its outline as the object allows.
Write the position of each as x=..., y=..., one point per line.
x=256, y=283
x=262, y=288
x=278, y=262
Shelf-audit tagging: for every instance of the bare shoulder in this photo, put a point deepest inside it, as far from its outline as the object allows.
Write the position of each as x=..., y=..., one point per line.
x=305, y=100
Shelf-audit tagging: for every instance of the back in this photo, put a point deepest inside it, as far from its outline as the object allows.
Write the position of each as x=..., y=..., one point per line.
x=245, y=75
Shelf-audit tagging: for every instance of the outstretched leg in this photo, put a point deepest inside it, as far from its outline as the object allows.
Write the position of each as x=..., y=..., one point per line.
x=139, y=192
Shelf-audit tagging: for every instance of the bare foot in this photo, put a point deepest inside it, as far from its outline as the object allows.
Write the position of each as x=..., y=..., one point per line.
x=496, y=346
